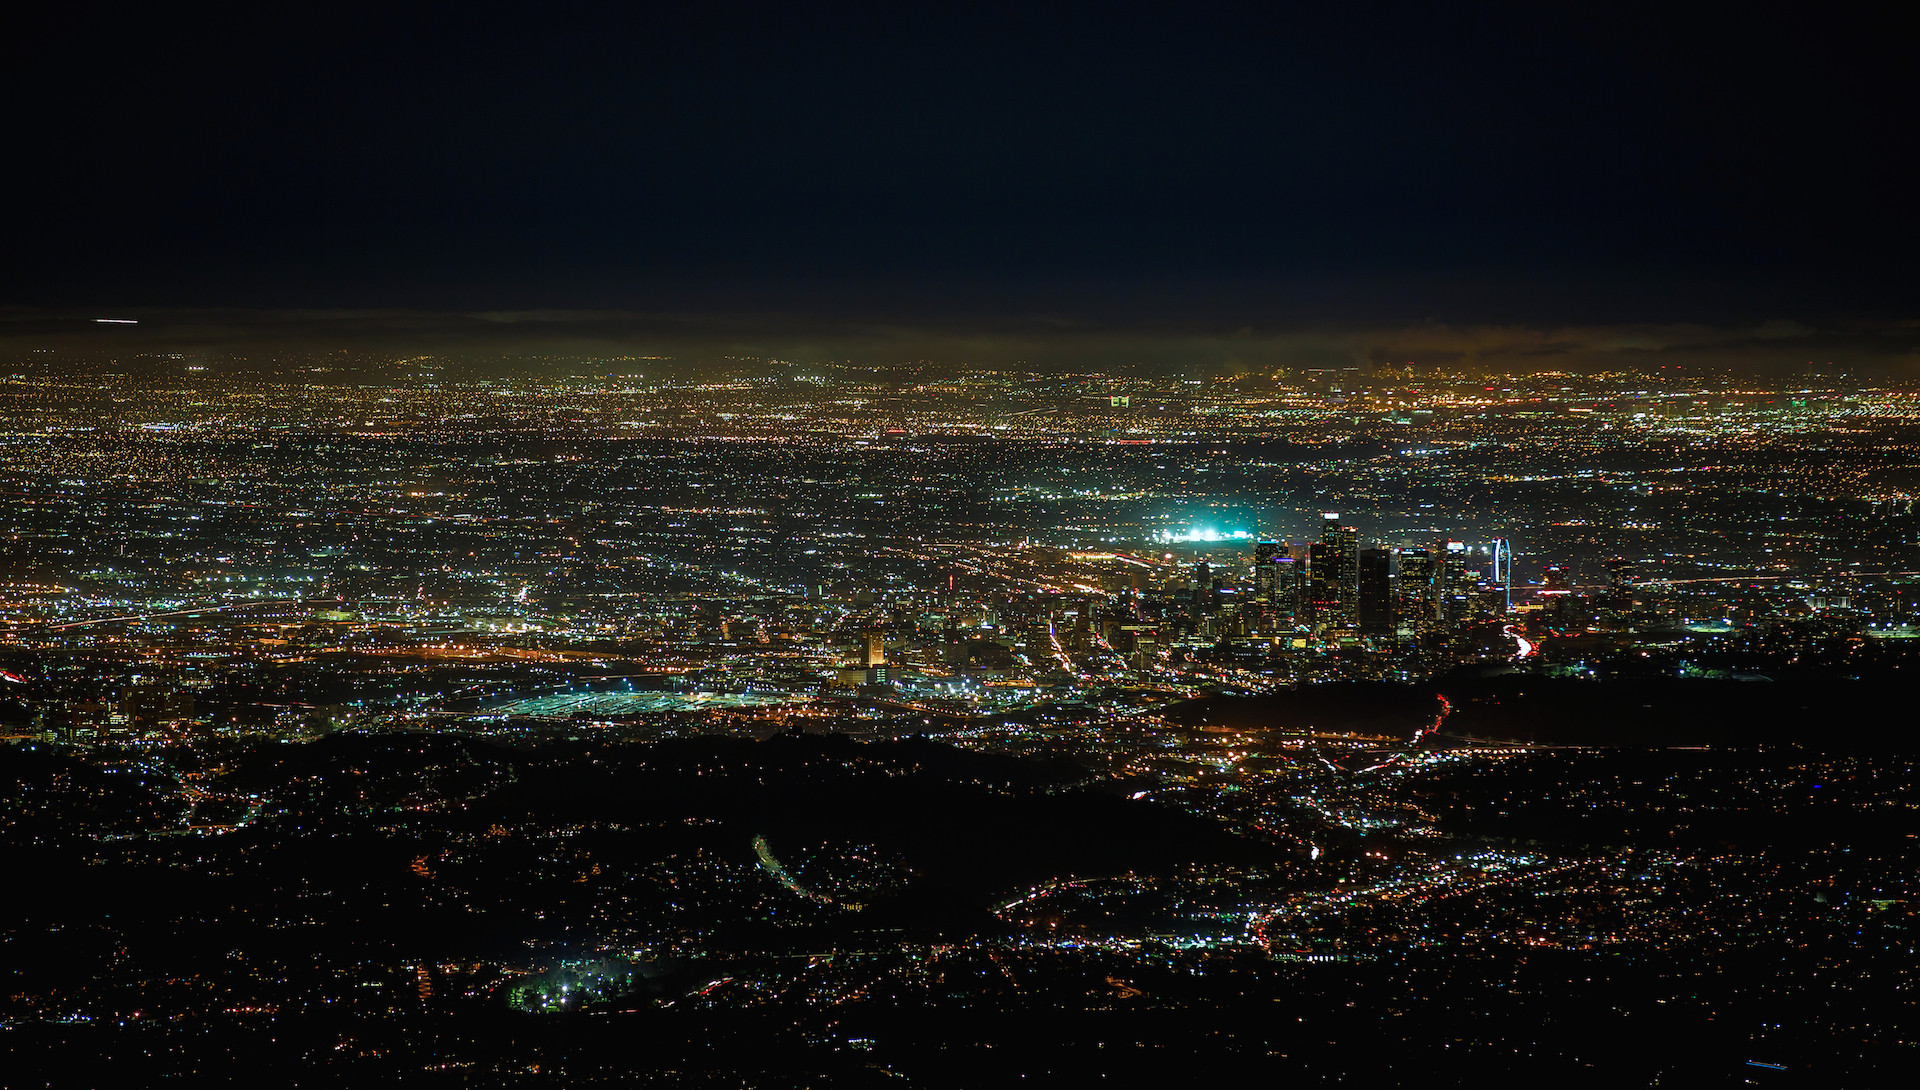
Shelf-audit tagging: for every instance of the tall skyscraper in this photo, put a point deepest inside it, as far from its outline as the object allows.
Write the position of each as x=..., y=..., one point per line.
x=1336, y=570
x=1501, y=574
x=873, y=651
x=1452, y=588
x=1619, y=596
x=1415, y=586
x=1323, y=588
x=1265, y=571
x=1619, y=574
x=1373, y=601
x=1289, y=587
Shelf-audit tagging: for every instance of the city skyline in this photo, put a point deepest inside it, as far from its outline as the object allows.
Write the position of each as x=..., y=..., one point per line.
x=798, y=701
x=754, y=545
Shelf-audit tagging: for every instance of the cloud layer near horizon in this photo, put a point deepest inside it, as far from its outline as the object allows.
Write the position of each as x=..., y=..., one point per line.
x=1033, y=343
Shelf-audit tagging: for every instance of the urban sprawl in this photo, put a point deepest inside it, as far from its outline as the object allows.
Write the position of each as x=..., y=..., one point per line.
x=561, y=720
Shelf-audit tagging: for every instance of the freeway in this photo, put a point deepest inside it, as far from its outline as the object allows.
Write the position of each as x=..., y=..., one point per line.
x=1758, y=578
x=1526, y=648
x=1444, y=880
x=772, y=866
x=252, y=603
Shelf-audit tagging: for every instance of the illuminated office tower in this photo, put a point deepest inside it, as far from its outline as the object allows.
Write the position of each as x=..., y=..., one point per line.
x=1289, y=585
x=1302, y=554
x=1349, y=552
x=1323, y=589
x=1373, y=602
x=1620, y=573
x=1414, y=587
x=1265, y=572
x=1039, y=638
x=1451, y=583
x=1619, y=597
x=148, y=705
x=874, y=649
x=1502, y=574
x=1336, y=570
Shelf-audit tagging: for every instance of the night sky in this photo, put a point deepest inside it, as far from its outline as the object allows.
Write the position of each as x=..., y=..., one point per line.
x=1186, y=167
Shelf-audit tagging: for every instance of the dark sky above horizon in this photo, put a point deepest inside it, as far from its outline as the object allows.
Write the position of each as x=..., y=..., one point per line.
x=1555, y=163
